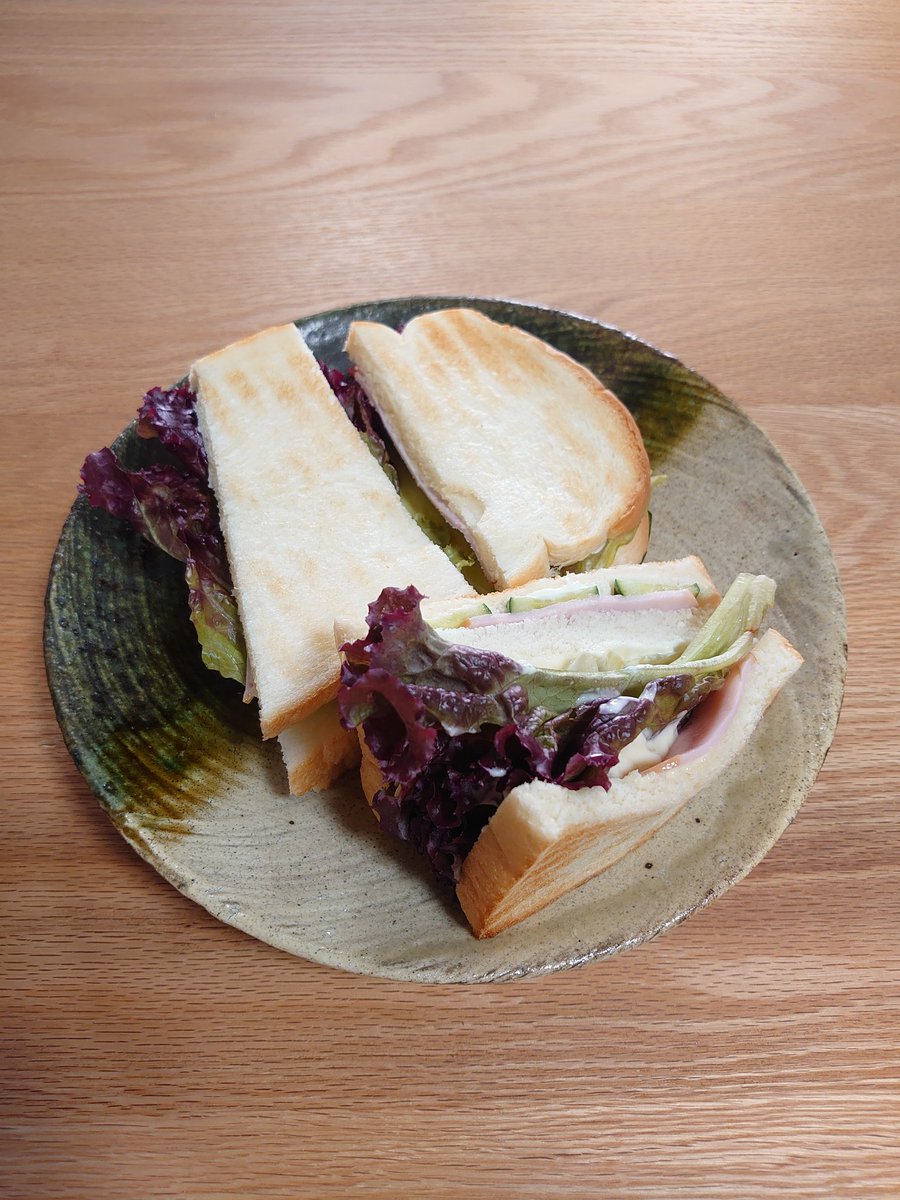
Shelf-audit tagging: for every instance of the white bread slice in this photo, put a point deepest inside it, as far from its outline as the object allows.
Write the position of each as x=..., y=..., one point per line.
x=312, y=524
x=518, y=445
x=678, y=573
x=545, y=840
x=588, y=641
x=317, y=750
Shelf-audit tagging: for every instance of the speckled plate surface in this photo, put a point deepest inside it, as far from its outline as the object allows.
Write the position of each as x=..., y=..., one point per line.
x=176, y=761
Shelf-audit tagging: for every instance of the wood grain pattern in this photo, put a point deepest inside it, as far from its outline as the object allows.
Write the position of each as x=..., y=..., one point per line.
x=722, y=179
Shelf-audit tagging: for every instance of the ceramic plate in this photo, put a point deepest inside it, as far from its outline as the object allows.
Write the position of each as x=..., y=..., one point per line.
x=175, y=758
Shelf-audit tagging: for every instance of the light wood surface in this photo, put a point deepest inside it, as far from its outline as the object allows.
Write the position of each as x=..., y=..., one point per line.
x=723, y=179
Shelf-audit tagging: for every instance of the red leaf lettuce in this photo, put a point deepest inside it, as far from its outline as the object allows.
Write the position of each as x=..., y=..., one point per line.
x=454, y=728
x=173, y=507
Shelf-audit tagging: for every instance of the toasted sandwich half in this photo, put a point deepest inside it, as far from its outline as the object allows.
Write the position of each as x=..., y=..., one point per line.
x=518, y=446
x=528, y=740
x=312, y=526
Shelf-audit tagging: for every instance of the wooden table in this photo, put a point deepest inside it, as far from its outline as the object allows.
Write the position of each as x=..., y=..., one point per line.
x=723, y=179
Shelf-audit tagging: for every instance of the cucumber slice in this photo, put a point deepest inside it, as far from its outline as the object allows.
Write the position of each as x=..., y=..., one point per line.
x=460, y=615
x=528, y=603
x=642, y=587
x=649, y=531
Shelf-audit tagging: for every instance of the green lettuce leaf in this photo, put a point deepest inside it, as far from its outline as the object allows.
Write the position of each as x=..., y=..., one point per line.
x=214, y=616
x=728, y=636
x=743, y=607
x=604, y=557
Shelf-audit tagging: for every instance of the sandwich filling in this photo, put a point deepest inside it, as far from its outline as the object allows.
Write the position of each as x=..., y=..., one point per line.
x=454, y=728
x=421, y=508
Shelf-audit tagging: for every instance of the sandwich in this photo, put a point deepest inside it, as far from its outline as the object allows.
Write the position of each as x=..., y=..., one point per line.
x=311, y=522
x=518, y=446
x=286, y=513
x=281, y=512
x=526, y=740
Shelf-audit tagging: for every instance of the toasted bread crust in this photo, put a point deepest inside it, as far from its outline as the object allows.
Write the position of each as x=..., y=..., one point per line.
x=303, y=708
x=491, y=875
x=324, y=766
x=318, y=750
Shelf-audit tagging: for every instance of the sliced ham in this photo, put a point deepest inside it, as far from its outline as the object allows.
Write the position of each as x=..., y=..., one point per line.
x=709, y=721
x=672, y=598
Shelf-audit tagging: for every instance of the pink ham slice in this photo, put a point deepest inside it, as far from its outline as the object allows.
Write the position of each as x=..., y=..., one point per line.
x=710, y=720
x=661, y=601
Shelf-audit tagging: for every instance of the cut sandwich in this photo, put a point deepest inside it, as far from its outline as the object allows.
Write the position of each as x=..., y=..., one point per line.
x=527, y=745
x=307, y=522
x=518, y=446
x=312, y=524
x=285, y=512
